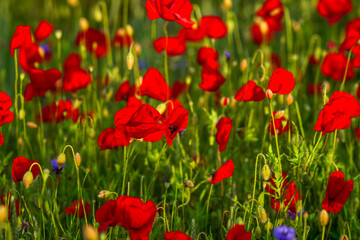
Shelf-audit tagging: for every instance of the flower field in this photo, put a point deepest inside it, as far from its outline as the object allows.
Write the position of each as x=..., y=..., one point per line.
x=180, y=119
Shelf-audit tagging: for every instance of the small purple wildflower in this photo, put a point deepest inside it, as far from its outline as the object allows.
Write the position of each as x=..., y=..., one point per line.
x=227, y=54
x=56, y=169
x=284, y=233
x=292, y=214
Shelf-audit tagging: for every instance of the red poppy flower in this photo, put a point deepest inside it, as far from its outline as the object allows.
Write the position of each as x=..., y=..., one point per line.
x=92, y=37
x=122, y=39
x=278, y=125
x=21, y=165
x=351, y=39
x=214, y=26
x=75, y=78
x=238, y=233
x=174, y=10
x=289, y=194
x=77, y=209
x=271, y=9
x=225, y=171
x=337, y=113
x=250, y=92
x=154, y=86
x=170, y=106
x=264, y=29
x=208, y=58
x=20, y=39
x=31, y=92
x=314, y=89
x=281, y=81
x=107, y=140
x=5, y=103
x=7, y=199
x=133, y=102
x=223, y=127
x=212, y=80
x=334, y=66
x=129, y=212
x=124, y=91
x=59, y=111
x=43, y=30
x=179, y=88
x=174, y=46
x=194, y=34
x=334, y=10
x=337, y=192
x=177, y=121
x=44, y=80
x=2, y=140
x=138, y=122
x=30, y=55
x=176, y=236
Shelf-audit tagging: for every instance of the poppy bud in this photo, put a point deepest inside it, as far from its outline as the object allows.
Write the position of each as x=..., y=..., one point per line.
x=84, y=24
x=94, y=46
x=27, y=179
x=228, y=4
x=161, y=108
x=21, y=114
x=296, y=26
x=306, y=215
x=73, y=3
x=188, y=183
x=104, y=194
x=105, y=112
x=289, y=99
x=91, y=69
x=46, y=174
x=129, y=30
x=58, y=34
x=243, y=65
x=224, y=101
x=97, y=14
x=262, y=216
x=268, y=226
x=91, y=133
x=266, y=172
x=61, y=159
x=32, y=125
x=76, y=103
x=344, y=237
x=188, y=80
x=279, y=114
x=77, y=159
x=257, y=232
x=90, y=233
x=3, y=213
x=20, y=142
x=230, y=25
x=324, y=218
x=269, y=94
x=130, y=60
x=137, y=48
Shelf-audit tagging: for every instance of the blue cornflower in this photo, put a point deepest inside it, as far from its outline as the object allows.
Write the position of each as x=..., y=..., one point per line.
x=227, y=54
x=56, y=169
x=284, y=233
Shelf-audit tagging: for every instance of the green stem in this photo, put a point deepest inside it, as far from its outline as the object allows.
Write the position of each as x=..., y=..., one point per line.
x=276, y=134
x=124, y=175
x=346, y=69
x=166, y=58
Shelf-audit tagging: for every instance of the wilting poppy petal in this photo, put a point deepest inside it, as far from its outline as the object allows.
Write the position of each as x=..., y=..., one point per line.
x=223, y=127
x=174, y=46
x=154, y=86
x=225, y=171
x=30, y=92
x=250, y=92
x=337, y=192
x=43, y=30
x=281, y=81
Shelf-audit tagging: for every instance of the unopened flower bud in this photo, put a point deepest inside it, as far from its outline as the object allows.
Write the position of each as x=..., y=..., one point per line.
x=224, y=101
x=32, y=125
x=21, y=114
x=121, y=32
x=188, y=183
x=289, y=99
x=77, y=159
x=58, y=34
x=243, y=65
x=188, y=80
x=27, y=179
x=97, y=14
x=137, y=48
x=91, y=133
x=73, y=3
x=161, y=108
x=61, y=159
x=344, y=237
x=268, y=226
x=228, y=4
x=261, y=213
x=90, y=233
x=306, y=215
x=129, y=30
x=20, y=142
x=84, y=24
x=324, y=218
x=104, y=194
x=167, y=183
x=269, y=94
x=257, y=232
x=266, y=172
x=130, y=60
x=3, y=213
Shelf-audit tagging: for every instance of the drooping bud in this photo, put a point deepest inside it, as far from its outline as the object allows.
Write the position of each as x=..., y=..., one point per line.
x=257, y=232
x=289, y=99
x=27, y=179
x=97, y=13
x=188, y=183
x=269, y=94
x=137, y=48
x=104, y=194
x=266, y=172
x=344, y=237
x=77, y=159
x=90, y=233
x=261, y=213
x=61, y=159
x=3, y=213
x=324, y=218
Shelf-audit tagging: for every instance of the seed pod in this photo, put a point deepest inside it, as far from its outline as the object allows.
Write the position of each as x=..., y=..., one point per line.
x=266, y=172
x=27, y=179
x=61, y=159
x=324, y=218
x=262, y=216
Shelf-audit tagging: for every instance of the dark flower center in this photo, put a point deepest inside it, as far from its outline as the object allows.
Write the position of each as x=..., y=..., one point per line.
x=173, y=128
